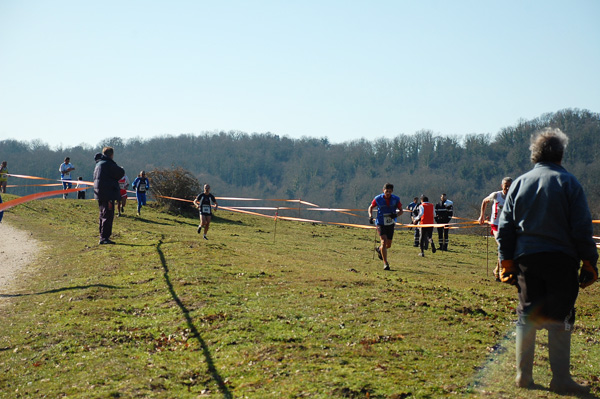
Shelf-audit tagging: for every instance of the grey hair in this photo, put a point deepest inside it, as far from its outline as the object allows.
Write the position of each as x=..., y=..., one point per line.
x=548, y=145
x=507, y=180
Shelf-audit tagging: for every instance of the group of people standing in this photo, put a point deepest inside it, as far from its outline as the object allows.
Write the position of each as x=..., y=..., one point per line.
x=543, y=227
x=425, y=213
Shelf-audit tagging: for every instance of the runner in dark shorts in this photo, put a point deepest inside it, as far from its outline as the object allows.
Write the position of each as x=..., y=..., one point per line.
x=386, y=230
x=388, y=208
x=203, y=202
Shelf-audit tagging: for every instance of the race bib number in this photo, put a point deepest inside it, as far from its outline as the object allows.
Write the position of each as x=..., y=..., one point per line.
x=388, y=220
x=205, y=208
x=142, y=189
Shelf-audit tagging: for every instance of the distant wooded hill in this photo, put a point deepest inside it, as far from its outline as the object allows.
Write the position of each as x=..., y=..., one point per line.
x=345, y=175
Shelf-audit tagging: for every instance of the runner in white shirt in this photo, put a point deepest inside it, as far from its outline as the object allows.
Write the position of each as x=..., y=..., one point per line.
x=497, y=198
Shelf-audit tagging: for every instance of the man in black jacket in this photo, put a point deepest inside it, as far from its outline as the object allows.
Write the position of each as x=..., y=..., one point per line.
x=444, y=211
x=107, y=191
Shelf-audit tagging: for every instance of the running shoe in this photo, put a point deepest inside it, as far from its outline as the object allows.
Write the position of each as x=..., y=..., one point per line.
x=379, y=253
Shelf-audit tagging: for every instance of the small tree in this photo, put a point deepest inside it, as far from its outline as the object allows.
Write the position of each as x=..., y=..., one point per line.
x=175, y=183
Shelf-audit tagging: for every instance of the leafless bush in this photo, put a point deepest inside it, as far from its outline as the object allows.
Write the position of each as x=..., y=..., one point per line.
x=174, y=183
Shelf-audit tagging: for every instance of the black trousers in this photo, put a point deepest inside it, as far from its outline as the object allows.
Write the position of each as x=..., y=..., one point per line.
x=107, y=215
x=425, y=237
x=548, y=285
x=443, y=237
x=417, y=236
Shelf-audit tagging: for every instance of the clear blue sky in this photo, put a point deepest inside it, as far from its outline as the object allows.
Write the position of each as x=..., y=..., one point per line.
x=74, y=71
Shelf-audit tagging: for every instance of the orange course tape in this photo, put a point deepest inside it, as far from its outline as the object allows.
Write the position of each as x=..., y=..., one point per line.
x=345, y=211
x=173, y=198
x=360, y=226
x=263, y=208
x=27, y=198
x=246, y=212
x=35, y=185
x=299, y=219
x=238, y=199
x=335, y=209
x=44, y=178
x=426, y=225
x=29, y=177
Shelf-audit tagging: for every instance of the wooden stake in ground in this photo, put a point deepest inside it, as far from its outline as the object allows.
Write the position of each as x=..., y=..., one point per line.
x=375, y=243
x=275, y=233
x=487, y=253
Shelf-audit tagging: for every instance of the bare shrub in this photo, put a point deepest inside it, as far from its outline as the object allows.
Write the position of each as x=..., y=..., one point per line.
x=175, y=183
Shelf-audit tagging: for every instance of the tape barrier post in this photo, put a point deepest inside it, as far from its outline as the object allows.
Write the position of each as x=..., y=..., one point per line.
x=487, y=253
x=275, y=233
x=375, y=244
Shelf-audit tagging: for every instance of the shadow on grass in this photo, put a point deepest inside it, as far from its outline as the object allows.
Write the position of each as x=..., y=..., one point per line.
x=215, y=220
x=77, y=287
x=220, y=220
x=195, y=333
x=133, y=245
x=148, y=221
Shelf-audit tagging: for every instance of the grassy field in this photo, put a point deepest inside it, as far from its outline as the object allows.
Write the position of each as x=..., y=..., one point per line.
x=307, y=312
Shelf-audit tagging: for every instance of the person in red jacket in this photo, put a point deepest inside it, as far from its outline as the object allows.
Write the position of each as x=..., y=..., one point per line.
x=425, y=218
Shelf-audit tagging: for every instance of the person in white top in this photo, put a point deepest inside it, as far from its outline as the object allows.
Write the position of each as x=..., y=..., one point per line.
x=497, y=199
x=65, y=169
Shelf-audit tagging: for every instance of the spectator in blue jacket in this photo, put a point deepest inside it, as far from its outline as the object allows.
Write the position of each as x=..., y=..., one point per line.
x=545, y=231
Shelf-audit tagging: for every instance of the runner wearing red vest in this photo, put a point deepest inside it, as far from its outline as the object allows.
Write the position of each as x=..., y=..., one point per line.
x=388, y=208
x=425, y=217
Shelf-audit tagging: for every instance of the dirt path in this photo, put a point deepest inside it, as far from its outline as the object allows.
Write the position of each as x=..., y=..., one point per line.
x=17, y=250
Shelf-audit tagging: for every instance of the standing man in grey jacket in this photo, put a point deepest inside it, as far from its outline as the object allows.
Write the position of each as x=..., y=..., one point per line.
x=106, y=190
x=545, y=231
